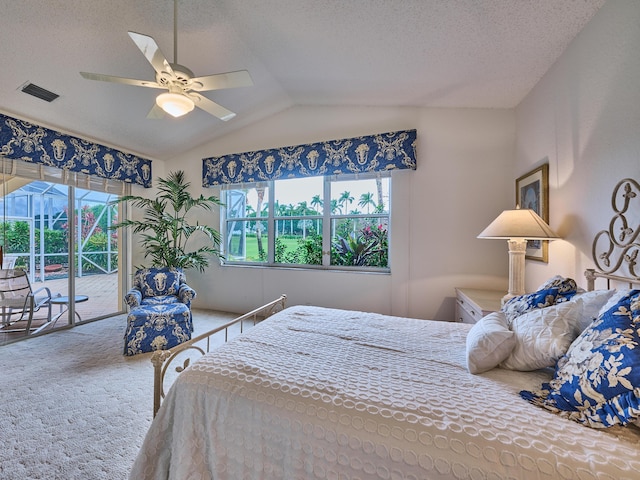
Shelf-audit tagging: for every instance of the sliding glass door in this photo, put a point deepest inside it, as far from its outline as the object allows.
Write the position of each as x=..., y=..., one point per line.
x=59, y=234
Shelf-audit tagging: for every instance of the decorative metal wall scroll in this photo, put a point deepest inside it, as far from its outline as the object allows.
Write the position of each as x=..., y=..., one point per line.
x=372, y=153
x=20, y=140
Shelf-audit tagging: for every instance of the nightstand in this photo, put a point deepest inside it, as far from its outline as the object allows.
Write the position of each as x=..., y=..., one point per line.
x=472, y=304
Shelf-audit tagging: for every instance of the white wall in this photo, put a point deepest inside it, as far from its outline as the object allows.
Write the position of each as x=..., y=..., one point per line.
x=584, y=116
x=463, y=181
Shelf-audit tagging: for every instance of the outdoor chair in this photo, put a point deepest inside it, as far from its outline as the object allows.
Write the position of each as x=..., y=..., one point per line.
x=9, y=262
x=160, y=310
x=19, y=303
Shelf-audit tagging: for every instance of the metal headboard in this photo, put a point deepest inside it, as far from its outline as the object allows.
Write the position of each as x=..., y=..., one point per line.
x=615, y=250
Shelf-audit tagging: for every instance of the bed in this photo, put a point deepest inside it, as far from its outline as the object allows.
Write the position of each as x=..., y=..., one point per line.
x=313, y=392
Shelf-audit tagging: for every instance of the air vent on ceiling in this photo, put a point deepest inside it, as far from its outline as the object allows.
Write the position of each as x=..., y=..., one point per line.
x=39, y=92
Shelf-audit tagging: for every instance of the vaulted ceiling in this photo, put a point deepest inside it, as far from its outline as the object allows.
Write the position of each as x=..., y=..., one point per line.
x=434, y=53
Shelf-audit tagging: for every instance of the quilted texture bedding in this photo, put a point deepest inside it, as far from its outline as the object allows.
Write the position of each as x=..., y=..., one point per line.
x=315, y=393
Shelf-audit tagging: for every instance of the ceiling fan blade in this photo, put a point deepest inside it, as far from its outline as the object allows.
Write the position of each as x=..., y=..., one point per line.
x=211, y=107
x=126, y=81
x=241, y=78
x=151, y=51
x=155, y=113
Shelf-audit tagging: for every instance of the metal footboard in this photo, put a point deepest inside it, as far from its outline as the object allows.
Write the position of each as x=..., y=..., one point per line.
x=162, y=360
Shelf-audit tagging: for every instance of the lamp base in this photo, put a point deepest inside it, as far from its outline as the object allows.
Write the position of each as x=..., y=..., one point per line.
x=517, y=251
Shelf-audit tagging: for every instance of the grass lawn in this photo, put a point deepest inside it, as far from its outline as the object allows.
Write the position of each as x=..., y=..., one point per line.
x=252, y=246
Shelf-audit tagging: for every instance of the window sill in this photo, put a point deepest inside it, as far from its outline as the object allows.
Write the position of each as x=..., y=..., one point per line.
x=308, y=268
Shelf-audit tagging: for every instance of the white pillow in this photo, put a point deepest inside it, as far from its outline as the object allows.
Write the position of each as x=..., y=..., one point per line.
x=592, y=302
x=543, y=335
x=489, y=342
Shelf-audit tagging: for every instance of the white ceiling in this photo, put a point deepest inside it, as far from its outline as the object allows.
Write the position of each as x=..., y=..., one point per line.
x=439, y=53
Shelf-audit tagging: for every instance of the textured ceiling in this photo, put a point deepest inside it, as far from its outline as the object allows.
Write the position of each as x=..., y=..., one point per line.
x=440, y=53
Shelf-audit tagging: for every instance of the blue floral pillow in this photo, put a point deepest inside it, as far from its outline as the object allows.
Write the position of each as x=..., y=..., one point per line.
x=597, y=382
x=555, y=290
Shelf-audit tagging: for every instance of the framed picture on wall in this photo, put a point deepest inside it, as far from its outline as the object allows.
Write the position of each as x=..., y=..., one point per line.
x=532, y=191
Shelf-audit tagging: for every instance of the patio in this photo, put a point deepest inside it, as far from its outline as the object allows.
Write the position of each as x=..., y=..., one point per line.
x=102, y=290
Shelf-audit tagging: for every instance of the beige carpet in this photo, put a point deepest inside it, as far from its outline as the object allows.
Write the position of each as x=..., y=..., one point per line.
x=73, y=407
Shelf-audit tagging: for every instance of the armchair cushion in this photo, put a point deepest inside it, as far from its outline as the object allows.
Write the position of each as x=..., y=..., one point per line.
x=157, y=327
x=159, y=281
x=160, y=300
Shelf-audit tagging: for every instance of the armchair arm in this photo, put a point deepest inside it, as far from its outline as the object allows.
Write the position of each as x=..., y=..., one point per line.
x=133, y=298
x=186, y=294
x=40, y=298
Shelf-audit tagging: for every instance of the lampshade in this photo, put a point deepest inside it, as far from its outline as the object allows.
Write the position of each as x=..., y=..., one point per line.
x=519, y=223
x=175, y=104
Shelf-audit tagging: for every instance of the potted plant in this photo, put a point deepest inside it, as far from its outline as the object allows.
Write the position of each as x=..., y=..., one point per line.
x=164, y=229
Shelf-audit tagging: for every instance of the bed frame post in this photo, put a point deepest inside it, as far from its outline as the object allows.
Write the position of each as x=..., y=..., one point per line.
x=590, y=273
x=157, y=359
x=161, y=359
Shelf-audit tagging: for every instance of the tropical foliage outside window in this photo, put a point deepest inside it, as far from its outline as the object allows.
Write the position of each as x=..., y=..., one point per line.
x=315, y=221
x=38, y=213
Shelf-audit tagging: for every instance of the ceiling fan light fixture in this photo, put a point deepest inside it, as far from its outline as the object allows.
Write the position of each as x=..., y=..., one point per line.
x=175, y=104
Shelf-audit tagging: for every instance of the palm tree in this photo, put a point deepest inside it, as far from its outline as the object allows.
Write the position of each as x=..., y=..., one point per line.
x=380, y=198
x=316, y=202
x=345, y=200
x=280, y=211
x=302, y=210
x=366, y=200
x=290, y=212
x=261, y=252
x=164, y=230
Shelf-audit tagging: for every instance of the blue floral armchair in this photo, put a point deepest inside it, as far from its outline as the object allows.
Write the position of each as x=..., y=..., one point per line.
x=160, y=310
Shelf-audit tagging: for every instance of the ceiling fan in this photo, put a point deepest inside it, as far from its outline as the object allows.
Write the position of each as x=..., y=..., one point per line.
x=183, y=87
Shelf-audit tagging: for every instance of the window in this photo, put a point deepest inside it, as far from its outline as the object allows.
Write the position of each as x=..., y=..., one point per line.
x=315, y=222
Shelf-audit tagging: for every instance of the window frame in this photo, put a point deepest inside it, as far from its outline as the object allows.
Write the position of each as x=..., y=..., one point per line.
x=327, y=218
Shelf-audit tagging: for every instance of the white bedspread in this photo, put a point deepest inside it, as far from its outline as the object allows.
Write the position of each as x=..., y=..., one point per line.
x=315, y=393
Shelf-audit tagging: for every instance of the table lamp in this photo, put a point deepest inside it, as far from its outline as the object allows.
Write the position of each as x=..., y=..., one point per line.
x=517, y=226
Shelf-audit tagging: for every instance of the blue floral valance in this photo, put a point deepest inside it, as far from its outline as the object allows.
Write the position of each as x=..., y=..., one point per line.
x=372, y=153
x=20, y=140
